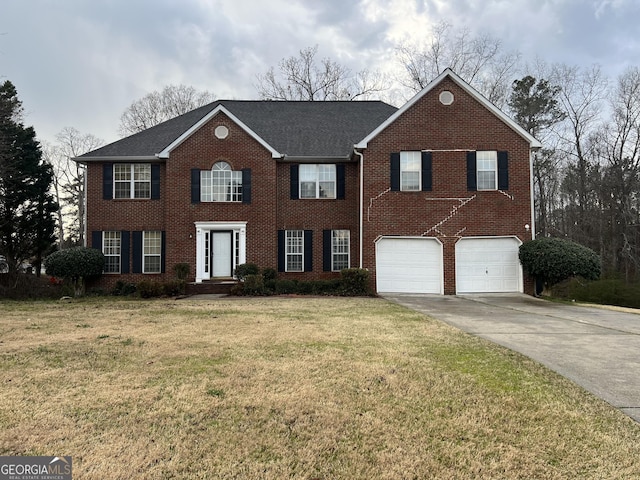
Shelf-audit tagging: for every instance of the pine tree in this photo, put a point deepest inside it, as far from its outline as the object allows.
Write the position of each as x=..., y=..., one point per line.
x=26, y=204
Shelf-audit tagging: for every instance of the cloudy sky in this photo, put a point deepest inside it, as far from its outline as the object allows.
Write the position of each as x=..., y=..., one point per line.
x=80, y=63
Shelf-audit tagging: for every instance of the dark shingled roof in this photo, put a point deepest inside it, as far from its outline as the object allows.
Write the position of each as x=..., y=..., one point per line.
x=297, y=129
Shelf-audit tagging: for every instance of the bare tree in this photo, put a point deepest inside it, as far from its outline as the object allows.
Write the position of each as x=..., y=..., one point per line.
x=159, y=106
x=581, y=97
x=306, y=78
x=68, y=182
x=481, y=61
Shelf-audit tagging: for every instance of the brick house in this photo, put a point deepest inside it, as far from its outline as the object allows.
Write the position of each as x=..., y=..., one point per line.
x=434, y=197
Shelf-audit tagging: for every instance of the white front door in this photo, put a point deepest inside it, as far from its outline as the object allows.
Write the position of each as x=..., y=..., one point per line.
x=221, y=251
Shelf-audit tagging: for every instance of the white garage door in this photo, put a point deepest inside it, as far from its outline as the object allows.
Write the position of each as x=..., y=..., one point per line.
x=409, y=265
x=488, y=265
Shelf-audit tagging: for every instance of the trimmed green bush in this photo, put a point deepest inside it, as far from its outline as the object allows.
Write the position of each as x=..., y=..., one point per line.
x=246, y=269
x=254, y=285
x=75, y=265
x=181, y=270
x=355, y=282
x=123, y=288
x=554, y=260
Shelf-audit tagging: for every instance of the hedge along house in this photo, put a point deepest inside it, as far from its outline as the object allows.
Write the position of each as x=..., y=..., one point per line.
x=434, y=197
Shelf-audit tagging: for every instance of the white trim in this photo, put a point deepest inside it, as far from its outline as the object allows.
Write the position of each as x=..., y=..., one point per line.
x=203, y=227
x=533, y=143
x=219, y=109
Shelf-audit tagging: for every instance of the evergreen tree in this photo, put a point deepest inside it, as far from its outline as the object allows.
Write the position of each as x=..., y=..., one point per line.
x=26, y=204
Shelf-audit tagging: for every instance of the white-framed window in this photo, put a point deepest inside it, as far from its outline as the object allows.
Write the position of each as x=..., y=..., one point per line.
x=317, y=181
x=410, y=171
x=132, y=180
x=221, y=184
x=111, y=249
x=294, y=251
x=487, y=170
x=151, y=252
x=340, y=240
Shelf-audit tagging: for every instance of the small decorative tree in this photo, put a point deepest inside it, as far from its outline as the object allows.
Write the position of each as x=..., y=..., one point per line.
x=553, y=260
x=75, y=265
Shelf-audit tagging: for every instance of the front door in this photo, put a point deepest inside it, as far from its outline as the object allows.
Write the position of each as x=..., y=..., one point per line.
x=221, y=254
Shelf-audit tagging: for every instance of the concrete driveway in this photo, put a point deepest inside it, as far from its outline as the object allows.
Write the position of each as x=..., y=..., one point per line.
x=596, y=348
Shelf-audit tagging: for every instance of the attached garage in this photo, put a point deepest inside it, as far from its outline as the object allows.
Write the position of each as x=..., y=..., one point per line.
x=488, y=265
x=409, y=265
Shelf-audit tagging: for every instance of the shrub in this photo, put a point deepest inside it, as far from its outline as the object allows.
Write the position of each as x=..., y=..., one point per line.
x=123, y=288
x=254, y=285
x=174, y=288
x=75, y=265
x=554, y=260
x=246, y=269
x=149, y=289
x=269, y=274
x=610, y=291
x=181, y=270
x=355, y=282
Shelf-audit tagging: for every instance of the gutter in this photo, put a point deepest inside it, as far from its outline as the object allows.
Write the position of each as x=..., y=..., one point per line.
x=360, y=214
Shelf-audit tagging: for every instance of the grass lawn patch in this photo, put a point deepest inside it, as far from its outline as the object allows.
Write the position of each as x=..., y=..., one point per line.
x=304, y=388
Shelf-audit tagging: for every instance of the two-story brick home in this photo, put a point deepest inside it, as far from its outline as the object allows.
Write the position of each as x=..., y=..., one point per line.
x=434, y=197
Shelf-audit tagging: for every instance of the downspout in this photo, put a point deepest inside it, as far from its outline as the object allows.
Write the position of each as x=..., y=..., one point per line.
x=361, y=215
x=532, y=155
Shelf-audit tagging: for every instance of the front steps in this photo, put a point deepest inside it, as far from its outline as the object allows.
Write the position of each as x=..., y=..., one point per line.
x=214, y=286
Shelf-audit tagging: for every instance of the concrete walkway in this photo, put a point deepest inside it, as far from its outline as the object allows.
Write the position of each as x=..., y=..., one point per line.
x=596, y=348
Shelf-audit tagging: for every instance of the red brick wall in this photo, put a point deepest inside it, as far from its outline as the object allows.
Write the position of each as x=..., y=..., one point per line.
x=449, y=211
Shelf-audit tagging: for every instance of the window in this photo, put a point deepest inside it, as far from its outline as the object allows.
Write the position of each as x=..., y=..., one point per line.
x=339, y=250
x=151, y=252
x=317, y=181
x=221, y=184
x=410, y=163
x=132, y=180
x=111, y=247
x=487, y=169
x=294, y=253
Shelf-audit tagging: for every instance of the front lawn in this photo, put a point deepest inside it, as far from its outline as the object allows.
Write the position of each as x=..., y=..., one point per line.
x=305, y=388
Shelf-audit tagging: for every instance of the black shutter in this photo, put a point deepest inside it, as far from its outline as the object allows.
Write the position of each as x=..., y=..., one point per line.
x=308, y=250
x=503, y=171
x=246, y=185
x=137, y=251
x=107, y=181
x=326, y=250
x=427, y=178
x=294, y=182
x=96, y=240
x=472, y=179
x=124, y=251
x=281, y=246
x=395, y=172
x=340, y=181
x=155, y=182
x=195, y=185
x=163, y=252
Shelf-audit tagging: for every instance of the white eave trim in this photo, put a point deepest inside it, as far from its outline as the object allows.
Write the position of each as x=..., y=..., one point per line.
x=312, y=159
x=219, y=109
x=123, y=159
x=533, y=143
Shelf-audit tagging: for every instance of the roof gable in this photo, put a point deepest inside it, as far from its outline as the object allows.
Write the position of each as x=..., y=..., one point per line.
x=448, y=73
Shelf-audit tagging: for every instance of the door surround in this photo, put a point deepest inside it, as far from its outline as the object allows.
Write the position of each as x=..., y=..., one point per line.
x=238, y=245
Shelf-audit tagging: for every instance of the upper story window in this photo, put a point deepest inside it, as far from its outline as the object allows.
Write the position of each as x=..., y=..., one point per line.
x=111, y=248
x=410, y=163
x=221, y=184
x=132, y=180
x=317, y=181
x=487, y=170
